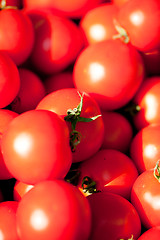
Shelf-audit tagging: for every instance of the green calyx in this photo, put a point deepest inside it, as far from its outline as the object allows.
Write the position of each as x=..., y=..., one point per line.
x=157, y=171
x=122, y=33
x=73, y=116
x=89, y=186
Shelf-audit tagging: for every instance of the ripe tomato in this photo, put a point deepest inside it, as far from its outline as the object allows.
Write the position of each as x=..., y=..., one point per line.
x=35, y=146
x=152, y=233
x=8, y=229
x=101, y=71
x=91, y=134
x=118, y=131
x=145, y=197
x=144, y=149
x=31, y=91
x=98, y=23
x=119, y=3
x=58, y=41
x=140, y=18
x=148, y=99
x=113, y=217
x=17, y=34
x=111, y=170
x=54, y=210
x=10, y=3
x=20, y=188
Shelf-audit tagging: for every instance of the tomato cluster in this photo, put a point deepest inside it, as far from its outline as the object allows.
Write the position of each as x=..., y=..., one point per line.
x=79, y=119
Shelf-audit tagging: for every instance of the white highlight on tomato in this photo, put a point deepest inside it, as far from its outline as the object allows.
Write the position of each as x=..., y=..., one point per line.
x=154, y=201
x=47, y=44
x=137, y=18
x=39, y=220
x=96, y=71
x=97, y=32
x=152, y=106
x=1, y=235
x=150, y=151
x=23, y=143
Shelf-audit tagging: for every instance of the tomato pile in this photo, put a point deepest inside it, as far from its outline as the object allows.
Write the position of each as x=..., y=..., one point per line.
x=79, y=119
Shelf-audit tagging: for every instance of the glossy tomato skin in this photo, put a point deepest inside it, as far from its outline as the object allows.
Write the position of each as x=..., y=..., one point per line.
x=112, y=171
x=9, y=80
x=35, y=147
x=138, y=18
x=98, y=24
x=119, y=3
x=54, y=210
x=17, y=34
x=145, y=198
x=152, y=233
x=92, y=133
x=58, y=41
x=113, y=216
x=148, y=99
x=103, y=61
x=8, y=220
x=144, y=149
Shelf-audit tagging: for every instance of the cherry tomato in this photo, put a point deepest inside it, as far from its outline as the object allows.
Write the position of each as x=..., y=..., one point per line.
x=8, y=229
x=31, y=91
x=35, y=146
x=152, y=233
x=89, y=134
x=113, y=217
x=17, y=34
x=21, y=188
x=145, y=197
x=101, y=71
x=58, y=41
x=54, y=210
x=139, y=18
x=111, y=170
x=98, y=23
x=144, y=149
x=148, y=100
x=118, y=131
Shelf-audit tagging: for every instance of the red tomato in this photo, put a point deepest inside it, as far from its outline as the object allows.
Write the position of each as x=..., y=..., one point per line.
x=111, y=170
x=10, y=3
x=58, y=41
x=144, y=149
x=69, y=8
x=54, y=210
x=119, y=3
x=31, y=91
x=98, y=23
x=20, y=189
x=59, y=81
x=146, y=199
x=101, y=71
x=35, y=146
x=9, y=80
x=8, y=229
x=152, y=233
x=113, y=217
x=148, y=99
x=140, y=18
x=118, y=131
x=91, y=133
x=17, y=34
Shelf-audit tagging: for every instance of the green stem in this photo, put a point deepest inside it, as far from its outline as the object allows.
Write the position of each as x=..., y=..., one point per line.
x=157, y=171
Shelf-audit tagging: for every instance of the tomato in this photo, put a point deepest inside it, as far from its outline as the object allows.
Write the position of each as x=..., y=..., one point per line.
x=6, y=116
x=139, y=18
x=9, y=3
x=20, y=188
x=145, y=197
x=17, y=34
x=31, y=85
x=144, y=149
x=118, y=131
x=35, y=146
x=9, y=80
x=69, y=8
x=148, y=99
x=59, y=81
x=119, y=3
x=101, y=71
x=98, y=23
x=152, y=233
x=111, y=170
x=54, y=210
x=8, y=229
x=58, y=41
x=113, y=217
x=90, y=134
